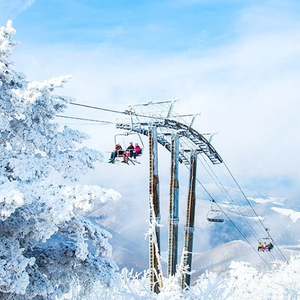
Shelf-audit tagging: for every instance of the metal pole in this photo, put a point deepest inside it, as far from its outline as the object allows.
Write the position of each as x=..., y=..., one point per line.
x=154, y=240
x=190, y=221
x=174, y=206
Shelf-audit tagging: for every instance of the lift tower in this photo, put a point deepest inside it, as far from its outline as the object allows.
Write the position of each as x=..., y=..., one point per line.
x=174, y=207
x=154, y=240
x=157, y=121
x=190, y=221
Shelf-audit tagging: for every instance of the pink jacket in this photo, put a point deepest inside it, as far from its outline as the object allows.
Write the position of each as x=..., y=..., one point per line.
x=137, y=149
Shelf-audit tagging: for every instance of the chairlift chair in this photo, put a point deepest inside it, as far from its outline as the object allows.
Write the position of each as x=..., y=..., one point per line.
x=125, y=142
x=265, y=241
x=215, y=215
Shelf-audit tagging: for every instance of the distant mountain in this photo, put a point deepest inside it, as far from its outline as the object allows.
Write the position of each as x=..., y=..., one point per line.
x=127, y=253
x=215, y=244
x=219, y=259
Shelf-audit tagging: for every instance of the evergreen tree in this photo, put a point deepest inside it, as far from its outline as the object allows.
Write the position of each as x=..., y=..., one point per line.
x=46, y=248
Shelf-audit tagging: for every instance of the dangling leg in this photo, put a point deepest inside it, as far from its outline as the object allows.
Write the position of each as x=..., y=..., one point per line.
x=125, y=157
x=113, y=157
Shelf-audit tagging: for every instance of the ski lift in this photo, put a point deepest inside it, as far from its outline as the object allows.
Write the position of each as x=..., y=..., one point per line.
x=124, y=141
x=214, y=215
x=265, y=243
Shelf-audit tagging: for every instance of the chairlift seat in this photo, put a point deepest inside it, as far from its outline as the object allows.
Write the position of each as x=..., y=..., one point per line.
x=220, y=220
x=121, y=152
x=215, y=216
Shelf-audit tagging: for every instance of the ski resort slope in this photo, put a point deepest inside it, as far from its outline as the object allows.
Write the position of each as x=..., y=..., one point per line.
x=219, y=259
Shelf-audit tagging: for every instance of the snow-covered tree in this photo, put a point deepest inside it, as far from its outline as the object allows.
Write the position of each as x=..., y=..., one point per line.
x=241, y=281
x=46, y=247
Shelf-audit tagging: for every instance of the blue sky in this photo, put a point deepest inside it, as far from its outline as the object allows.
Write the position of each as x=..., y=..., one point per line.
x=235, y=62
x=156, y=25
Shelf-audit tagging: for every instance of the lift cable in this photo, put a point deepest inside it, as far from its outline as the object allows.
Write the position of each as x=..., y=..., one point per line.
x=253, y=208
x=255, y=212
x=129, y=112
x=99, y=108
x=254, y=232
x=258, y=238
x=232, y=202
x=262, y=228
x=220, y=208
x=223, y=189
x=227, y=195
x=232, y=223
x=257, y=218
x=85, y=119
x=246, y=221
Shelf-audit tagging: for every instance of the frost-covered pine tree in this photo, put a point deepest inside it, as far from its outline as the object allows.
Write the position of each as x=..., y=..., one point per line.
x=47, y=249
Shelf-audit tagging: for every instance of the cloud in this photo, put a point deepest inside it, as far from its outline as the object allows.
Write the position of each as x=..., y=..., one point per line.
x=246, y=89
x=11, y=9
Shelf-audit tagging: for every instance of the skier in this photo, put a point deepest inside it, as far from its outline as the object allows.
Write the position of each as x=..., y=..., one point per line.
x=114, y=154
x=269, y=247
x=137, y=150
x=128, y=153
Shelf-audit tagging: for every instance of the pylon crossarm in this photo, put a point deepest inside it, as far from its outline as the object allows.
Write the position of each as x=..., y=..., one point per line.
x=195, y=139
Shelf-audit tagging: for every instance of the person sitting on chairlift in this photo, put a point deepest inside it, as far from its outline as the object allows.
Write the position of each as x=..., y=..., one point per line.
x=137, y=150
x=262, y=247
x=269, y=247
x=128, y=153
x=114, y=154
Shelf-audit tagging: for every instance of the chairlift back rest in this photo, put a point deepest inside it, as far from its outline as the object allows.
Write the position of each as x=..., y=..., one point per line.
x=120, y=153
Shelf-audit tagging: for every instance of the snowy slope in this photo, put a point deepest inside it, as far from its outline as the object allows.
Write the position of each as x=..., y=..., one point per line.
x=132, y=257
x=219, y=259
x=217, y=244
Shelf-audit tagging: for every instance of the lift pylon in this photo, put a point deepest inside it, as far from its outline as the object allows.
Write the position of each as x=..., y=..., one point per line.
x=189, y=226
x=154, y=240
x=174, y=207
x=160, y=126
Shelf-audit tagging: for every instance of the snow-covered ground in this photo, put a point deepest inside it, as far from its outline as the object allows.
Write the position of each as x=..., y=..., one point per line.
x=219, y=259
x=228, y=269
x=49, y=250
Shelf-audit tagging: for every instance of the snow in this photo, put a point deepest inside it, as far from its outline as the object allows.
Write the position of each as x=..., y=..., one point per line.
x=294, y=215
x=273, y=200
x=46, y=245
x=242, y=282
x=49, y=249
